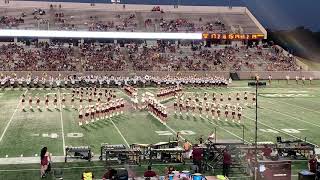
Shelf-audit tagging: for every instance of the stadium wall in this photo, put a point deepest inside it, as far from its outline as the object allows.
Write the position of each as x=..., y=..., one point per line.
x=243, y=75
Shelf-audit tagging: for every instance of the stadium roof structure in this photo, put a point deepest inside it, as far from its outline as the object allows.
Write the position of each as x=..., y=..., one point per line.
x=236, y=20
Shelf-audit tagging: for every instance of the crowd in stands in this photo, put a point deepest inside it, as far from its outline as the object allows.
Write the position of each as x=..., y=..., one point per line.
x=57, y=18
x=161, y=56
x=46, y=58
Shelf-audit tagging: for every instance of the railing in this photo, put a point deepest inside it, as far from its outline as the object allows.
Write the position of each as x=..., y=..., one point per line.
x=242, y=74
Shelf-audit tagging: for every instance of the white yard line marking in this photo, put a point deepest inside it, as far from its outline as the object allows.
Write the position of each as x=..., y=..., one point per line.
x=280, y=130
x=124, y=139
x=62, y=129
x=295, y=106
x=165, y=124
x=14, y=112
x=285, y=114
x=229, y=132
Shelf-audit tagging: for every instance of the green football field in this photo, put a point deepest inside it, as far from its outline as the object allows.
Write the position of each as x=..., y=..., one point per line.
x=290, y=111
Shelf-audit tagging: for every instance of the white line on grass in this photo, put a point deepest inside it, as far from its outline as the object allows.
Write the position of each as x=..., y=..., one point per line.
x=14, y=112
x=124, y=139
x=295, y=106
x=165, y=124
x=280, y=130
x=229, y=132
x=62, y=129
x=285, y=114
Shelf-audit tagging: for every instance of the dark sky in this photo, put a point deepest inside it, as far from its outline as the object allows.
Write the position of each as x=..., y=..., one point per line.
x=274, y=14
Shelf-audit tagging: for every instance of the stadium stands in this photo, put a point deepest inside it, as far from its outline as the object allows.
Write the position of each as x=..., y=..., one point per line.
x=138, y=18
x=141, y=57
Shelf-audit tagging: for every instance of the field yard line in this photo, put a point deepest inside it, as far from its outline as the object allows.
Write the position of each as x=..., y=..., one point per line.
x=165, y=124
x=124, y=139
x=280, y=130
x=62, y=129
x=230, y=132
x=296, y=106
x=285, y=114
x=14, y=112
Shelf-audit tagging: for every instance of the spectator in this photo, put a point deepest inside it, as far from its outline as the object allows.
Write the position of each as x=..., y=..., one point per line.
x=149, y=173
x=226, y=163
x=187, y=149
x=267, y=151
x=110, y=174
x=45, y=159
x=170, y=170
x=87, y=175
x=312, y=164
x=197, y=156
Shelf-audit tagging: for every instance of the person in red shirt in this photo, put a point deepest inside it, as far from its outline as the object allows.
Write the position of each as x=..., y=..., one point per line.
x=149, y=173
x=197, y=156
x=267, y=151
x=312, y=164
x=226, y=163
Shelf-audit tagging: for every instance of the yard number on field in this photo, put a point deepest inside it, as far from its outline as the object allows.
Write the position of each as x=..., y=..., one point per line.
x=55, y=135
x=294, y=131
x=168, y=133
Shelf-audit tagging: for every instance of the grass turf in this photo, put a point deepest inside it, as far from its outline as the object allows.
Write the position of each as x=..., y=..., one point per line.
x=280, y=114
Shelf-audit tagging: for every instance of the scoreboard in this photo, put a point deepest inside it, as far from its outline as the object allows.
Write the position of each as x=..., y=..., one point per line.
x=218, y=36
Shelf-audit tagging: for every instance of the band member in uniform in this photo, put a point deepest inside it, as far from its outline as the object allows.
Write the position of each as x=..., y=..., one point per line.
x=193, y=107
x=287, y=78
x=107, y=111
x=55, y=101
x=175, y=107
x=187, y=105
x=197, y=97
x=246, y=98
x=87, y=118
x=213, y=110
x=38, y=102
x=226, y=112
x=297, y=79
x=218, y=111
x=270, y=79
x=30, y=102
x=63, y=101
x=92, y=113
x=207, y=110
x=303, y=80
x=205, y=98
x=122, y=102
x=239, y=113
x=180, y=106
x=97, y=112
x=22, y=101
x=81, y=99
x=233, y=113
x=310, y=79
x=214, y=97
x=238, y=98
x=200, y=109
x=47, y=101
x=229, y=98
x=90, y=98
x=253, y=99
x=72, y=101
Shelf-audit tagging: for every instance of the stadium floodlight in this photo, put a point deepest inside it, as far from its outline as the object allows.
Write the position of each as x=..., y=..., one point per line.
x=100, y=35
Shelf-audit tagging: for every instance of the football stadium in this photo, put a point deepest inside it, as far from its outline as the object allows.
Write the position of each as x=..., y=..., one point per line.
x=128, y=91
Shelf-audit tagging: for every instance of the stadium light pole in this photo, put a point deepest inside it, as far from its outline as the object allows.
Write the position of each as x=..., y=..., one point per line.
x=256, y=123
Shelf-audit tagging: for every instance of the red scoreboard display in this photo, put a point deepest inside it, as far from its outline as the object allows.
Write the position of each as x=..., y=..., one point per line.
x=218, y=36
